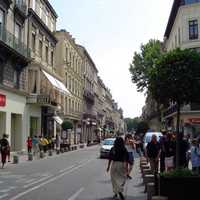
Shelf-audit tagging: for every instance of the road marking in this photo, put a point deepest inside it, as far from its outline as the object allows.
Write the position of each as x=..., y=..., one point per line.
x=74, y=196
x=63, y=170
x=30, y=180
x=35, y=182
x=46, y=177
x=2, y=196
x=48, y=181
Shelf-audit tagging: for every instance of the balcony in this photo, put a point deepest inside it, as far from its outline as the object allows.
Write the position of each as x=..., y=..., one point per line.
x=89, y=96
x=21, y=8
x=13, y=45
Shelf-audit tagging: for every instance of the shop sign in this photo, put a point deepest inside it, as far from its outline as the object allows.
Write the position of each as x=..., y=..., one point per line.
x=194, y=120
x=2, y=100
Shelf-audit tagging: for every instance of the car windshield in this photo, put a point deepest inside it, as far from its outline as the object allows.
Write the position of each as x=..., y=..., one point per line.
x=108, y=142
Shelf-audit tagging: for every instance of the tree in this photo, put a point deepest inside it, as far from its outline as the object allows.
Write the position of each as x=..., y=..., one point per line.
x=132, y=123
x=142, y=127
x=143, y=62
x=67, y=125
x=176, y=78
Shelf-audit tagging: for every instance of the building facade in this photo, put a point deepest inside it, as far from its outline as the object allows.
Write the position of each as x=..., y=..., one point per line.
x=45, y=88
x=14, y=58
x=183, y=31
x=69, y=67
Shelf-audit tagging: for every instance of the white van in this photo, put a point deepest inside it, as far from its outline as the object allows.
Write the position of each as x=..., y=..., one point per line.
x=148, y=135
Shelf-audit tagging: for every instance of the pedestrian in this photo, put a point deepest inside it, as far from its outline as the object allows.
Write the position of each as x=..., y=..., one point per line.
x=29, y=144
x=195, y=156
x=35, y=145
x=162, y=153
x=153, y=151
x=4, y=146
x=130, y=146
x=169, y=149
x=8, y=154
x=118, y=162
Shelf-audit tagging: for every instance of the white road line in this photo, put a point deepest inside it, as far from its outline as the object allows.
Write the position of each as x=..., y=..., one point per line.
x=2, y=196
x=48, y=181
x=46, y=177
x=74, y=196
x=35, y=182
x=63, y=170
x=30, y=180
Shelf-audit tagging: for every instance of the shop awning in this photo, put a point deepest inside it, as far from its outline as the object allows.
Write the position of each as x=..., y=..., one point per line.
x=58, y=119
x=56, y=83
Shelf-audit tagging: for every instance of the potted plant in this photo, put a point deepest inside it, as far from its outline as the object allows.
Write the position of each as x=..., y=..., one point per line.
x=180, y=184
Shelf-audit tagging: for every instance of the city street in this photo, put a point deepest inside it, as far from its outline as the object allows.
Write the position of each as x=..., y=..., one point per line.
x=76, y=175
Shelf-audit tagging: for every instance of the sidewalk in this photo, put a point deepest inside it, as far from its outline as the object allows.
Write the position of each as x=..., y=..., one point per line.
x=23, y=157
x=135, y=188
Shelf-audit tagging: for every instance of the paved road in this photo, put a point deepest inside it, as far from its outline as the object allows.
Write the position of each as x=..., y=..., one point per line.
x=77, y=175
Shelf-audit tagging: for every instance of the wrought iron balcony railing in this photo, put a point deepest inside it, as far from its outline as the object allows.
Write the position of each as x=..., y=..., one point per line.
x=10, y=40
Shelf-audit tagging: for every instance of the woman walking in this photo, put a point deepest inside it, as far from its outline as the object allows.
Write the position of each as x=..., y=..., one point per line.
x=4, y=147
x=118, y=162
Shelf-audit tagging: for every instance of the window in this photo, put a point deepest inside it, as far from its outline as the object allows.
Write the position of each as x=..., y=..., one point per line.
x=33, y=4
x=193, y=29
x=66, y=83
x=70, y=105
x=40, y=47
x=52, y=58
x=2, y=20
x=66, y=54
x=40, y=11
x=33, y=38
x=47, y=54
x=179, y=36
x=17, y=32
x=70, y=86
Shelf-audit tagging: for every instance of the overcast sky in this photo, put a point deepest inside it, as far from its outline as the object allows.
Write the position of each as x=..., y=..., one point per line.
x=111, y=31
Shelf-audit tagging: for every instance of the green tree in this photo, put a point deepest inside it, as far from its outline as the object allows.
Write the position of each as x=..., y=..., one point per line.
x=132, y=124
x=176, y=78
x=143, y=62
x=67, y=125
x=142, y=127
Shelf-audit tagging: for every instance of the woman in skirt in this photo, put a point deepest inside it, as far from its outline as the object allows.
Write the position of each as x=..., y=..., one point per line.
x=118, y=162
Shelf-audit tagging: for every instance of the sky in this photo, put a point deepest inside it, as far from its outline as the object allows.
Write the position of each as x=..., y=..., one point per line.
x=111, y=31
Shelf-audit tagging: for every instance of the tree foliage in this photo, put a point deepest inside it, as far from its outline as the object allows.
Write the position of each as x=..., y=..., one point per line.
x=142, y=127
x=143, y=62
x=132, y=124
x=67, y=125
x=176, y=77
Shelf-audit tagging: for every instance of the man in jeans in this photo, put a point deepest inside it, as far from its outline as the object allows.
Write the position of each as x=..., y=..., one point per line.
x=153, y=151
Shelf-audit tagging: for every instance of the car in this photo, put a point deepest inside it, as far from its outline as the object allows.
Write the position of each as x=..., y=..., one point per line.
x=106, y=146
x=148, y=135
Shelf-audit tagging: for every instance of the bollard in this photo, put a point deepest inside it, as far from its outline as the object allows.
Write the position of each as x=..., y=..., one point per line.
x=41, y=154
x=149, y=178
x=145, y=172
x=15, y=159
x=30, y=156
x=150, y=190
x=159, y=198
x=57, y=151
x=50, y=152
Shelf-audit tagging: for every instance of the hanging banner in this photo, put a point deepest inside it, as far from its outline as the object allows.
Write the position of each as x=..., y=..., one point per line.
x=2, y=100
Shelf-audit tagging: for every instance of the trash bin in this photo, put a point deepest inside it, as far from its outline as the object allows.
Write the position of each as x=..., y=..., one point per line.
x=15, y=159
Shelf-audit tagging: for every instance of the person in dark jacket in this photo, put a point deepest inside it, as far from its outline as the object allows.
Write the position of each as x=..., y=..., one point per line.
x=4, y=148
x=153, y=151
x=118, y=162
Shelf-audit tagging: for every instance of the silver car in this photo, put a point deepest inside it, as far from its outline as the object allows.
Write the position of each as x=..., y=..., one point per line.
x=106, y=146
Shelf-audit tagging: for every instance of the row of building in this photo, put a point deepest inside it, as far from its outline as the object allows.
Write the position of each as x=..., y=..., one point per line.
x=46, y=78
x=182, y=31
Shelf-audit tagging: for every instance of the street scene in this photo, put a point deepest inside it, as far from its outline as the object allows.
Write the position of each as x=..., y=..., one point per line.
x=99, y=100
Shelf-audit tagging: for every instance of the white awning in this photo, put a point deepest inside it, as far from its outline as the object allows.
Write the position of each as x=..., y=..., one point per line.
x=58, y=119
x=57, y=84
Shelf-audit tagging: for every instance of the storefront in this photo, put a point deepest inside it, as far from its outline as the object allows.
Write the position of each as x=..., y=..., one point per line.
x=13, y=118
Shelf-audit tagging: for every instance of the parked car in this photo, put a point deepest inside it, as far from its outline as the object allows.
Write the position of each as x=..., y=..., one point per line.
x=106, y=146
x=147, y=137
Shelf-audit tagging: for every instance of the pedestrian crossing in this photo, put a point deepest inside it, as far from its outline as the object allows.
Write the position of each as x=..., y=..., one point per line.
x=10, y=182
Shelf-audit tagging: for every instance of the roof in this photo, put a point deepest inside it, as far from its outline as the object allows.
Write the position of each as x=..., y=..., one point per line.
x=51, y=8
x=172, y=17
